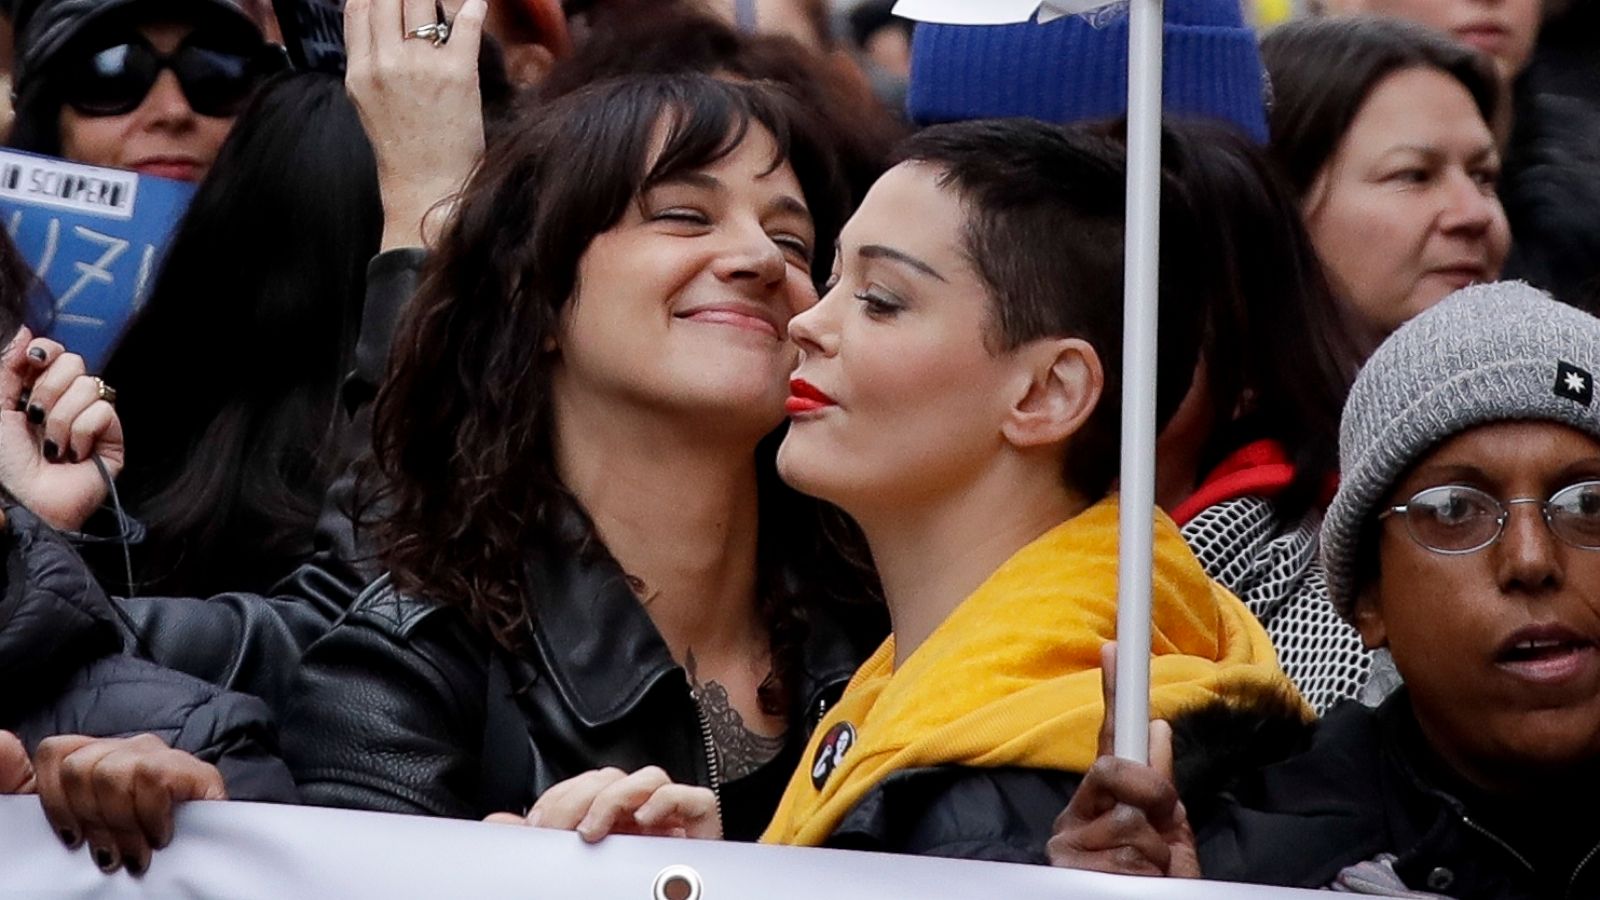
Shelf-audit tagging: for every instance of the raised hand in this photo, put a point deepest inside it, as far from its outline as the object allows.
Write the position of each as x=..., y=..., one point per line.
x=610, y=801
x=118, y=795
x=55, y=418
x=1126, y=817
x=420, y=105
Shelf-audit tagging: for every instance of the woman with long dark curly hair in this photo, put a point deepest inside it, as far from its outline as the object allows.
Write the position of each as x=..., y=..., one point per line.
x=591, y=561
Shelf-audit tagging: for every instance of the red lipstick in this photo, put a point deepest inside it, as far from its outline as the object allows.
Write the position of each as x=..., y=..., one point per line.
x=805, y=397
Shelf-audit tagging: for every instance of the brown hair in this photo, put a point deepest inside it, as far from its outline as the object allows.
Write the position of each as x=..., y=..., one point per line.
x=463, y=427
x=1323, y=70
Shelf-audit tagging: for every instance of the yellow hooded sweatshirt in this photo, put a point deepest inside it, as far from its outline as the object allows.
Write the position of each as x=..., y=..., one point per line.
x=1012, y=677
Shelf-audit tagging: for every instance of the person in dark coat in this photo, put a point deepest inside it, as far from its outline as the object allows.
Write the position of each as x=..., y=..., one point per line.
x=78, y=691
x=520, y=614
x=957, y=395
x=1465, y=538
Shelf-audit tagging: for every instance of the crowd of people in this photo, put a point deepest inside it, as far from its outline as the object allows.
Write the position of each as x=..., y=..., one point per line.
x=701, y=418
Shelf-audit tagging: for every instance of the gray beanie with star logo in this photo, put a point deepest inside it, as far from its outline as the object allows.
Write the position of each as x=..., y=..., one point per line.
x=1490, y=353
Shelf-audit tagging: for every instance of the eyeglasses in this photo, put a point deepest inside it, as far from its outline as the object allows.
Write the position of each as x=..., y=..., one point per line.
x=1456, y=519
x=115, y=80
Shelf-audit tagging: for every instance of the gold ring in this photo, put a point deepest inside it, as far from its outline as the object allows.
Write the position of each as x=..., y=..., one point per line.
x=105, y=391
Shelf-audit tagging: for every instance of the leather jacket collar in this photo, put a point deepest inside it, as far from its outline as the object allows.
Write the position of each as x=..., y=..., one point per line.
x=605, y=655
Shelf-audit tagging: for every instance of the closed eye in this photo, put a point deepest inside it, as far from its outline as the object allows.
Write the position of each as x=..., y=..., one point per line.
x=681, y=214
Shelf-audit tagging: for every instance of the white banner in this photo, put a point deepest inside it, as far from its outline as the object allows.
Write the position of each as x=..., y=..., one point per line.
x=249, y=850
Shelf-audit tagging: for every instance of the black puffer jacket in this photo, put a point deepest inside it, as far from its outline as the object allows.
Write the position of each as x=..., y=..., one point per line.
x=405, y=707
x=65, y=672
x=1369, y=789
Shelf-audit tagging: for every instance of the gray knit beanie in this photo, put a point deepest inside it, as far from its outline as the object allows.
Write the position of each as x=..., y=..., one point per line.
x=1490, y=353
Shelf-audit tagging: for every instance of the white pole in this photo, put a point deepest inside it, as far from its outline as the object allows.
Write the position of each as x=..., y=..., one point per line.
x=1132, y=714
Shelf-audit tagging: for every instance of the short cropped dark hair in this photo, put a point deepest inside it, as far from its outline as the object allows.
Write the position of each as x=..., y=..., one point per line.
x=1045, y=230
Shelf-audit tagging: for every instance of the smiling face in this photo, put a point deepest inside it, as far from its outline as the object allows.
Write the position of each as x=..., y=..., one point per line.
x=1504, y=29
x=1405, y=212
x=899, y=396
x=1497, y=707
x=162, y=137
x=684, y=304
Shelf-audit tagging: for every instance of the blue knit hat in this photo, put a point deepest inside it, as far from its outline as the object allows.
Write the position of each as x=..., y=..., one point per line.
x=1075, y=68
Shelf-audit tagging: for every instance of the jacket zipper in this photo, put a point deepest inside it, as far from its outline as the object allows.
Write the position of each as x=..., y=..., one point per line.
x=820, y=714
x=1573, y=881
x=713, y=758
x=1508, y=848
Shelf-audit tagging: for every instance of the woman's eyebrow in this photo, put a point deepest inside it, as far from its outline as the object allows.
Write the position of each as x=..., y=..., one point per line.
x=879, y=251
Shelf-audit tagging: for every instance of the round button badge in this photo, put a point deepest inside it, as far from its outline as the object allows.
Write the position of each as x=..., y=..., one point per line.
x=836, y=744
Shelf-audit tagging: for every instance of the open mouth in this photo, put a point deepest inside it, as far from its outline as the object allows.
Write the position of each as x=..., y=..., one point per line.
x=1539, y=651
x=1547, y=654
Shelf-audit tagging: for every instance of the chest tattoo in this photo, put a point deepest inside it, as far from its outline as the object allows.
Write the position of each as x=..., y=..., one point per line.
x=742, y=750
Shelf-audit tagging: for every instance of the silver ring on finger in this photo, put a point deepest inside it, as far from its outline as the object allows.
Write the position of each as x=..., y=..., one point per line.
x=436, y=32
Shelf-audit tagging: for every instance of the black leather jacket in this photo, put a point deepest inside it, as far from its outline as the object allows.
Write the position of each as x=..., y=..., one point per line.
x=405, y=707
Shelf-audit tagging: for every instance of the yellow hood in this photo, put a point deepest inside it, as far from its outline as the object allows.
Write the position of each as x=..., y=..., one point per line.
x=1012, y=677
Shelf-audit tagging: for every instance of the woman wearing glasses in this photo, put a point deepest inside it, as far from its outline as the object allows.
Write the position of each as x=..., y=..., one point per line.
x=1465, y=538
x=134, y=84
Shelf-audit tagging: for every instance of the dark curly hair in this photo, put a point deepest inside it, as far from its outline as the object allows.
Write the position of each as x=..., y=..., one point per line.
x=463, y=426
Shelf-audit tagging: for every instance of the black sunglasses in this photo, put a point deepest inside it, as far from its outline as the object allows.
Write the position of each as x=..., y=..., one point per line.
x=115, y=80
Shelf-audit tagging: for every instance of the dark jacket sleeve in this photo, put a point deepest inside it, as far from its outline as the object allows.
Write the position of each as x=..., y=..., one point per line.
x=392, y=279
x=242, y=642
x=122, y=696
x=387, y=715
x=1000, y=815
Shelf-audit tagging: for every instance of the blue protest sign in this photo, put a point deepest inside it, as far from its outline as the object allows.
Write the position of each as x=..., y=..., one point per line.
x=95, y=239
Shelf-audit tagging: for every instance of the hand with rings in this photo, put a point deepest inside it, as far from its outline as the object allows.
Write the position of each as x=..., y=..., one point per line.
x=414, y=81
x=55, y=420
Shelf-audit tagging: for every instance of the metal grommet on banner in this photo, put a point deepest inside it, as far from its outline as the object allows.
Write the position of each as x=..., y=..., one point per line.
x=677, y=883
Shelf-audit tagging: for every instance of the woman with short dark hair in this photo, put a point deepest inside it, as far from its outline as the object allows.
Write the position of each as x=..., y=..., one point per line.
x=958, y=395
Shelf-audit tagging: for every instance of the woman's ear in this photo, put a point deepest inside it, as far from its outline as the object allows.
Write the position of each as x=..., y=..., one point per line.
x=1369, y=617
x=1065, y=381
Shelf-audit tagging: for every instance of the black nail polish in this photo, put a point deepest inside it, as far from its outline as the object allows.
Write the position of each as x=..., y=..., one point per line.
x=70, y=838
x=103, y=859
x=72, y=455
x=35, y=414
x=51, y=451
x=36, y=354
x=134, y=867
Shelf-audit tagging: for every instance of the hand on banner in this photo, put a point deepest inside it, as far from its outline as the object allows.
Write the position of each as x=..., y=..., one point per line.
x=118, y=794
x=420, y=105
x=1126, y=817
x=610, y=801
x=16, y=771
x=54, y=419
